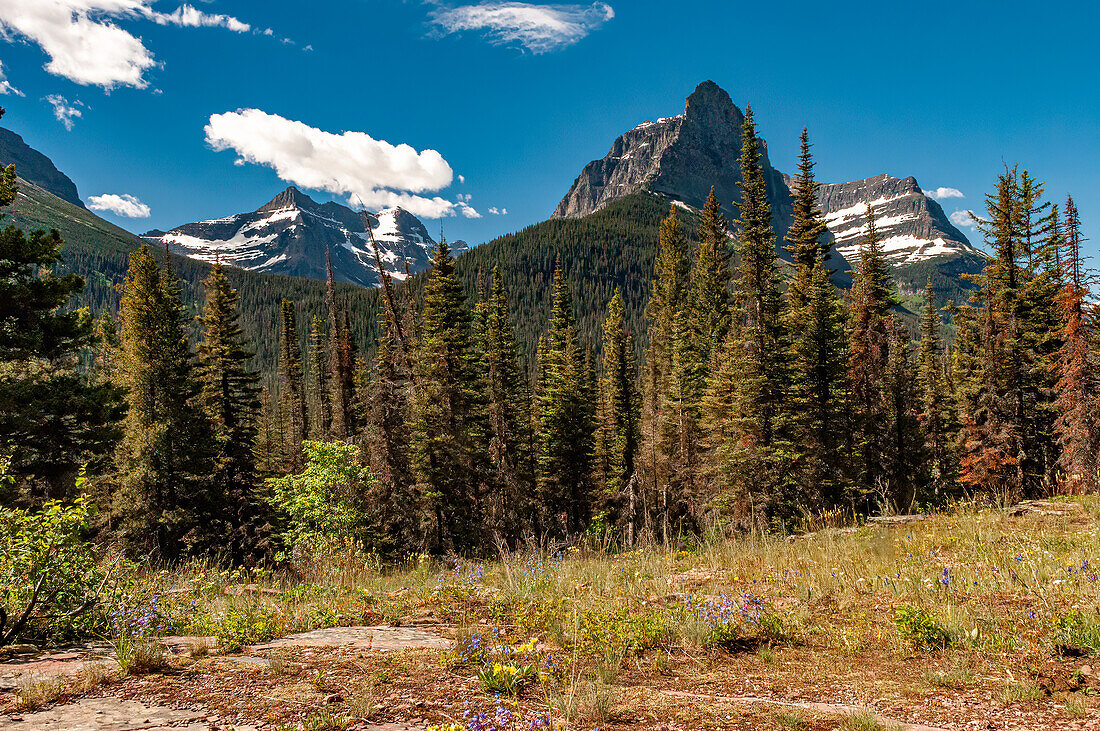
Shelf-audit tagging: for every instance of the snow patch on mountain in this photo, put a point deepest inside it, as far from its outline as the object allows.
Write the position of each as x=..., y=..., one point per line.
x=912, y=226
x=293, y=234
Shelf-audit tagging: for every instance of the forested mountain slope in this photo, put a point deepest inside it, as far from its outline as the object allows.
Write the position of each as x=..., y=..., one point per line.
x=100, y=252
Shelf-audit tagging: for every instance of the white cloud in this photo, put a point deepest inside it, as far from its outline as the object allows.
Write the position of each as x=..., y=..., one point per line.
x=191, y=17
x=944, y=193
x=964, y=219
x=498, y=211
x=371, y=173
x=462, y=178
x=64, y=111
x=538, y=28
x=85, y=43
x=5, y=86
x=123, y=205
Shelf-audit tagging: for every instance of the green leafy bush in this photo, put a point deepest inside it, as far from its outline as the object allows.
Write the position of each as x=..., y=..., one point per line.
x=921, y=629
x=326, y=503
x=48, y=573
x=247, y=625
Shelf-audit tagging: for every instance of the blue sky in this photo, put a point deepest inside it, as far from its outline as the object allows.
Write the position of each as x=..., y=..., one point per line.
x=463, y=108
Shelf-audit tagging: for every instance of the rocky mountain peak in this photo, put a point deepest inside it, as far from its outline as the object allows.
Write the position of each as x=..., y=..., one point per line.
x=913, y=227
x=679, y=157
x=711, y=108
x=292, y=234
x=290, y=198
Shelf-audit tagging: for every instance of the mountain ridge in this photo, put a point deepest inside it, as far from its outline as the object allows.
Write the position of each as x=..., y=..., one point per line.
x=294, y=235
x=35, y=167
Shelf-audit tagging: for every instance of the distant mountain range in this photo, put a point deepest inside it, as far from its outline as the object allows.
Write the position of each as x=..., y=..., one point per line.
x=681, y=157
x=292, y=234
x=604, y=232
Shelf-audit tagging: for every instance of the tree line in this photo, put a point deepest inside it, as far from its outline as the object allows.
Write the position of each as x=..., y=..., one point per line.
x=763, y=396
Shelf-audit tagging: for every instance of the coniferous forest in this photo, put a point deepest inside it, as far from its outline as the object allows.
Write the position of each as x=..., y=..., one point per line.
x=753, y=395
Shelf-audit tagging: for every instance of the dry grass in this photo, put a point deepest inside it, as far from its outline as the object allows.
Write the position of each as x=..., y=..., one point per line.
x=810, y=612
x=36, y=692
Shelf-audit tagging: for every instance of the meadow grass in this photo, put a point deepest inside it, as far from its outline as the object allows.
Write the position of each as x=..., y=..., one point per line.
x=968, y=591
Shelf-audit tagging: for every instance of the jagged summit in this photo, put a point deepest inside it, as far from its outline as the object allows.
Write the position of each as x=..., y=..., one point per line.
x=292, y=233
x=291, y=197
x=680, y=157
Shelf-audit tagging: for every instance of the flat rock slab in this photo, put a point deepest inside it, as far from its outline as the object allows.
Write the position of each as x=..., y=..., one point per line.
x=106, y=714
x=49, y=664
x=383, y=639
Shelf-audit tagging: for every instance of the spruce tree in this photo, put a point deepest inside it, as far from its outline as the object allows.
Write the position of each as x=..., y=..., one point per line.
x=805, y=236
x=1008, y=440
x=320, y=404
x=872, y=298
x=815, y=323
x=230, y=397
x=936, y=414
x=902, y=444
x=54, y=416
x=509, y=419
x=1077, y=385
x=818, y=390
x=662, y=379
x=447, y=456
x=164, y=503
x=385, y=432
x=565, y=427
x=760, y=455
x=617, y=422
x=294, y=421
x=341, y=361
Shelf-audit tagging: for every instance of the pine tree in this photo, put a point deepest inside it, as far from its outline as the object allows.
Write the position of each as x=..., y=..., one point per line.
x=320, y=405
x=760, y=455
x=292, y=400
x=936, y=415
x=662, y=405
x=617, y=423
x=1077, y=385
x=446, y=454
x=54, y=417
x=509, y=439
x=565, y=427
x=818, y=395
x=815, y=323
x=165, y=458
x=230, y=397
x=872, y=298
x=341, y=361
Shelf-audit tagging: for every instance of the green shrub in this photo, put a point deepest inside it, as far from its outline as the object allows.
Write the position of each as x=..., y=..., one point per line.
x=247, y=625
x=921, y=629
x=49, y=577
x=327, y=502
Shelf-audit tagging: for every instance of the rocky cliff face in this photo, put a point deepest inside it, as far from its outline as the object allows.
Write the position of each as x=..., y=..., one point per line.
x=292, y=234
x=680, y=157
x=913, y=227
x=33, y=166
